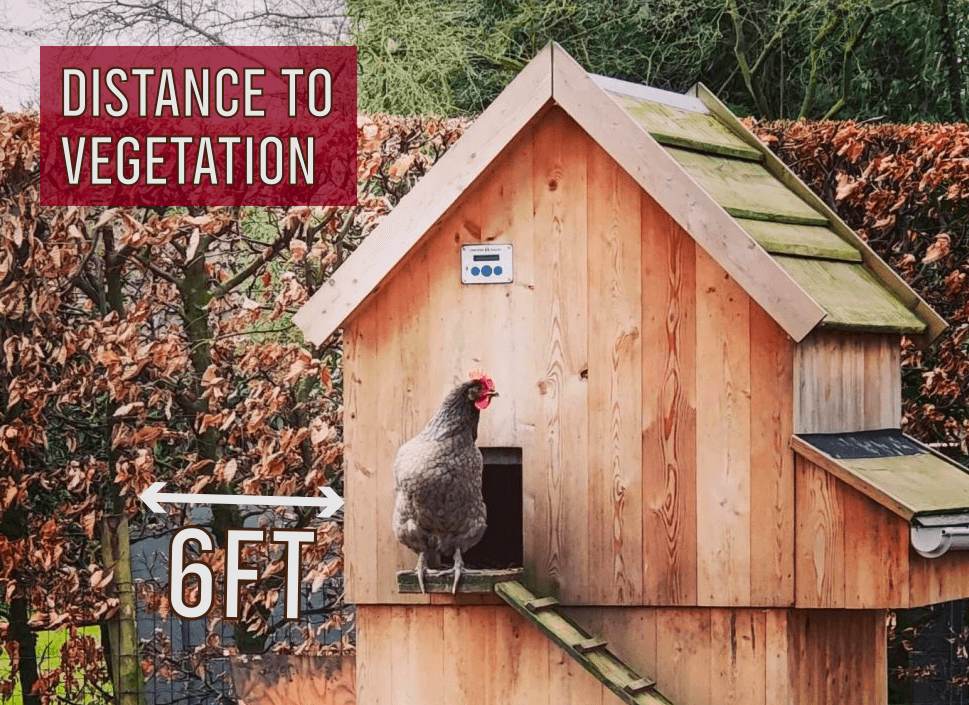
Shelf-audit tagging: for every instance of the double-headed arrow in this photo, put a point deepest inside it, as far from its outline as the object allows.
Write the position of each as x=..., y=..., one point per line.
x=329, y=502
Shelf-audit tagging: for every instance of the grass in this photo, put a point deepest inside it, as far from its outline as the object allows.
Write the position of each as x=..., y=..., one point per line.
x=48, y=658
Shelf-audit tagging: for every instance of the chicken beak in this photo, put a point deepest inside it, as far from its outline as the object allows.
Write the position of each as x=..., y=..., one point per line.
x=492, y=394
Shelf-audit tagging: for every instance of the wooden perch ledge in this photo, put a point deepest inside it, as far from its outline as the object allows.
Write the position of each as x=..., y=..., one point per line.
x=472, y=581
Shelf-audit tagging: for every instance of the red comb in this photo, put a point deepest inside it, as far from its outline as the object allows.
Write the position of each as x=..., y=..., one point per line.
x=483, y=377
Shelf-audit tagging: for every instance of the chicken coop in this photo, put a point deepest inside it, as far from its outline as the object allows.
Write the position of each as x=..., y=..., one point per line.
x=696, y=454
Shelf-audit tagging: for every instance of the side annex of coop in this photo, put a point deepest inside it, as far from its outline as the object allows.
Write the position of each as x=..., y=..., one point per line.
x=699, y=377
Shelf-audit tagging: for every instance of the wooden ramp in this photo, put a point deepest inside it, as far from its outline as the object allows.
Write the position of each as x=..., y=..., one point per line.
x=591, y=652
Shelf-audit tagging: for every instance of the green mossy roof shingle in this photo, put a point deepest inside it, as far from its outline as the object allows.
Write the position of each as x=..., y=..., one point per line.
x=829, y=268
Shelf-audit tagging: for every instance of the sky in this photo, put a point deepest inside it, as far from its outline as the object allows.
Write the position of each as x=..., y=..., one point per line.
x=19, y=57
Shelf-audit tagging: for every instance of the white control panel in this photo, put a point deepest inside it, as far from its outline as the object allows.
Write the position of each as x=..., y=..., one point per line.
x=486, y=264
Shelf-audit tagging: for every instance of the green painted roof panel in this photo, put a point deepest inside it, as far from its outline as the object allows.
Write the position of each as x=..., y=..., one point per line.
x=746, y=189
x=674, y=126
x=851, y=295
x=800, y=240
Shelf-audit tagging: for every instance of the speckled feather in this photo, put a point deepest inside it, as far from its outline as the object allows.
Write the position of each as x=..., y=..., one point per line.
x=438, y=505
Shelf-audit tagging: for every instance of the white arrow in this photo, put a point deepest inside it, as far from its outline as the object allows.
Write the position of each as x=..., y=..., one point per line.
x=330, y=502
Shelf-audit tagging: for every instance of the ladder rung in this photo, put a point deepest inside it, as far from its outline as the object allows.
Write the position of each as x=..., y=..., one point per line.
x=637, y=687
x=542, y=603
x=590, y=644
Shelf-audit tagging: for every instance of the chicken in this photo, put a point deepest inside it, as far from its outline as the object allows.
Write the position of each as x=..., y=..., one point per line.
x=439, y=510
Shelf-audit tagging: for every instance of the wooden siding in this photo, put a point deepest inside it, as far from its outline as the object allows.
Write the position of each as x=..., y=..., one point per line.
x=631, y=371
x=854, y=553
x=698, y=656
x=847, y=382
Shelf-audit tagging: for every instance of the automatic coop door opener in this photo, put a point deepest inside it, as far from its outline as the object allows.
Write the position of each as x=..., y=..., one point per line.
x=486, y=264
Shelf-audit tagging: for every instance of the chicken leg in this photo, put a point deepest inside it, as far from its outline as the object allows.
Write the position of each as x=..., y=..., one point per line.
x=458, y=567
x=421, y=567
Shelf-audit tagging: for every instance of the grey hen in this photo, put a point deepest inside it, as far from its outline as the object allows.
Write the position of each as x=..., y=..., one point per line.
x=439, y=510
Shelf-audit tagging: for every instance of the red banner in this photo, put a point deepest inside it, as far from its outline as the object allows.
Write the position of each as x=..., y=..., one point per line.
x=194, y=126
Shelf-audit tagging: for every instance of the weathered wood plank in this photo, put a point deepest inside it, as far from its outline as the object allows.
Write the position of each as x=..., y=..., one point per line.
x=876, y=553
x=883, y=399
x=360, y=395
x=669, y=409
x=772, y=462
x=800, y=240
x=683, y=648
x=851, y=295
x=685, y=128
x=778, y=662
x=470, y=648
x=723, y=437
x=847, y=382
x=561, y=342
x=474, y=581
x=746, y=188
x=819, y=539
x=738, y=657
x=614, y=383
x=402, y=344
x=934, y=580
x=375, y=655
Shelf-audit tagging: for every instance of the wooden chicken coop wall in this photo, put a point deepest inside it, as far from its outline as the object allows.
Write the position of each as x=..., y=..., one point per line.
x=854, y=553
x=640, y=381
x=699, y=656
x=847, y=382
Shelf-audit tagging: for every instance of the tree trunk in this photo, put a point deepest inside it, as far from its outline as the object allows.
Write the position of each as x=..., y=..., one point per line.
x=115, y=536
x=951, y=57
x=27, y=641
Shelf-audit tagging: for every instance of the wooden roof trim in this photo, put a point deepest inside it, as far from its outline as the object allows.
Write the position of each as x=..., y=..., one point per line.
x=363, y=273
x=879, y=268
x=661, y=176
x=683, y=101
x=831, y=465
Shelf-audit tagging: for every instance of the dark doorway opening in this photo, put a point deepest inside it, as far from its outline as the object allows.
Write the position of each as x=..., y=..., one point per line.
x=501, y=486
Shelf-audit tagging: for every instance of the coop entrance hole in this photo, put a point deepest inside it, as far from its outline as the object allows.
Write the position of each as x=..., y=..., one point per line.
x=501, y=486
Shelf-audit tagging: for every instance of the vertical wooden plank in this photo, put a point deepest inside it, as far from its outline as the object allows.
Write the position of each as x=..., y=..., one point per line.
x=631, y=633
x=559, y=557
x=360, y=391
x=683, y=668
x=614, y=382
x=876, y=545
x=723, y=437
x=469, y=650
x=883, y=402
x=403, y=374
x=880, y=653
x=374, y=655
x=669, y=410
x=778, y=664
x=521, y=675
x=819, y=544
x=738, y=659
x=772, y=462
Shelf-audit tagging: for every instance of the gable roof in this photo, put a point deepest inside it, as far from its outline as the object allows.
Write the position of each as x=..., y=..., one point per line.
x=745, y=208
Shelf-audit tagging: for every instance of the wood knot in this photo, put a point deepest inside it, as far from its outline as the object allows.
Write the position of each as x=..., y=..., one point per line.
x=553, y=184
x=584, y=373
